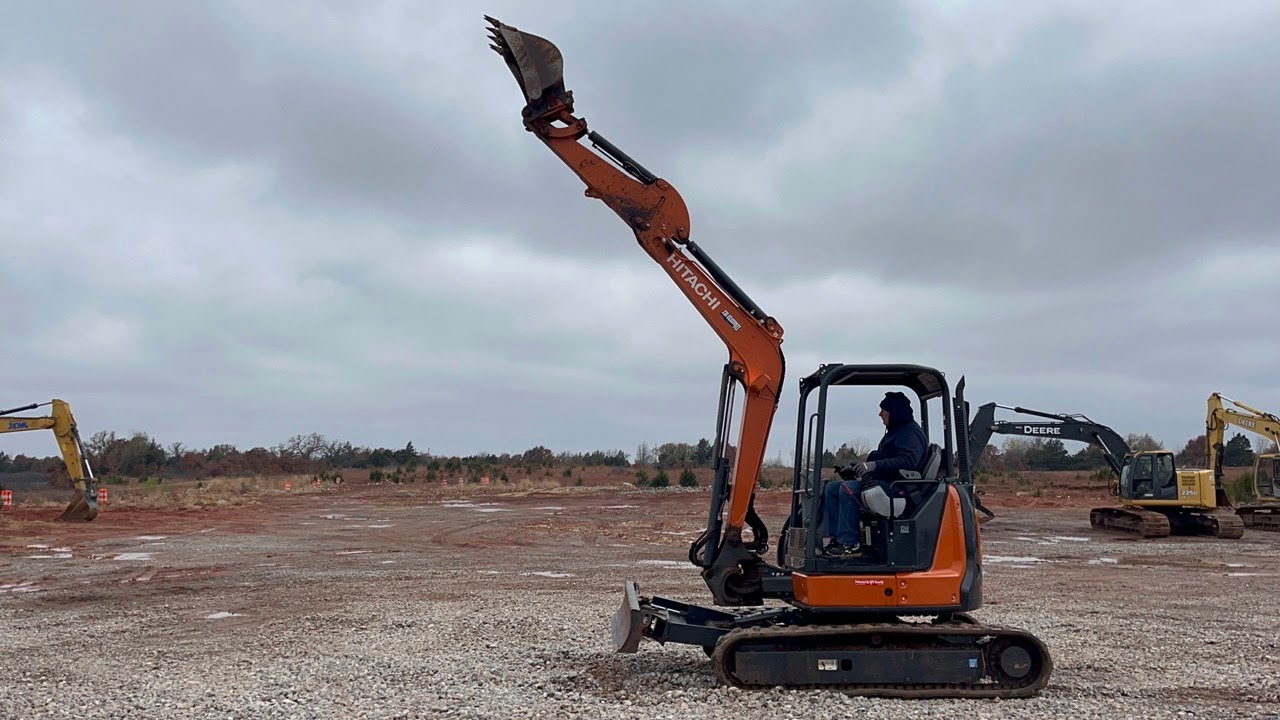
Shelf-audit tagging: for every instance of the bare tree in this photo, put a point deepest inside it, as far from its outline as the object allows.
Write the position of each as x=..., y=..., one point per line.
x=1142, y=443
x=644, y=455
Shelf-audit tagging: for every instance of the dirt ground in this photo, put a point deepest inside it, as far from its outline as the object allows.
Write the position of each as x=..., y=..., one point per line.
x=182, y=602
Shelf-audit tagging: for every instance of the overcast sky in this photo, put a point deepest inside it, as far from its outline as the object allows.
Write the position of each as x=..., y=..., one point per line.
x=236, y=222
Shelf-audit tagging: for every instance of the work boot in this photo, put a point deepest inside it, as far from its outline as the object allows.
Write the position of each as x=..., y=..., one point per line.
x=836, y=549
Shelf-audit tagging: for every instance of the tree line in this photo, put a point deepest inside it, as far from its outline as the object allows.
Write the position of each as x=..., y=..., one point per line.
x=1052, y=454
x=140, y=455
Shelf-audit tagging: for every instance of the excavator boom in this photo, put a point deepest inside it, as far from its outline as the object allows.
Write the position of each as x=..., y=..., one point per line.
x=84, y=506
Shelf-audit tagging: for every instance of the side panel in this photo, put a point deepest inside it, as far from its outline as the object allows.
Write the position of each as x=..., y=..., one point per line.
x=939, y=586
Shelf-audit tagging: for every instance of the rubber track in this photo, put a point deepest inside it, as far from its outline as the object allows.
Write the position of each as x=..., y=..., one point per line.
x=964, y=625
x=1261, y=516
x=1146, y=523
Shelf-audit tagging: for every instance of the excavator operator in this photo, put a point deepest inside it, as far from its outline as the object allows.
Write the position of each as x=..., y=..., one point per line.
x=903, y=447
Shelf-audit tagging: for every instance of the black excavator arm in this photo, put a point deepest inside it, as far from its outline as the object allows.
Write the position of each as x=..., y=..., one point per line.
x=1063, y=427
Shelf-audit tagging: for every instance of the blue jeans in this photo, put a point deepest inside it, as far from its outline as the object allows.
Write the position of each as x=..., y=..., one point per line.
x=843, y=501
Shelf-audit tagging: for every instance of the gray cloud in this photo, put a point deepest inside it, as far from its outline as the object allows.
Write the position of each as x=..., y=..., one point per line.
x=234, y=223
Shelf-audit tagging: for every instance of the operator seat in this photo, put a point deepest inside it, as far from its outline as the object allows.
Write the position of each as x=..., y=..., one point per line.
x=878, y=502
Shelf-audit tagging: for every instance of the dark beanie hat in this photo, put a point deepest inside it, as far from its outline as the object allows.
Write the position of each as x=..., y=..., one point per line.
x=898, y=406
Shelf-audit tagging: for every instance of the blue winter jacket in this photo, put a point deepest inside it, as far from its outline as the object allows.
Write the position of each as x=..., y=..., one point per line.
x=903, y=447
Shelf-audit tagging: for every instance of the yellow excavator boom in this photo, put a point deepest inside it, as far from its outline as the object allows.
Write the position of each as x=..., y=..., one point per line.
x=1223, y=411
x=1263, y=512
x=84, y=506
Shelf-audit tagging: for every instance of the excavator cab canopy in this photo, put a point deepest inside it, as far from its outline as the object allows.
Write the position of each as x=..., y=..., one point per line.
x=926, y=382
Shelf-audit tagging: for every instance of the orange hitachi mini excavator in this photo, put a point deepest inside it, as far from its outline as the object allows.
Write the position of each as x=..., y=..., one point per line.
x=892, y=621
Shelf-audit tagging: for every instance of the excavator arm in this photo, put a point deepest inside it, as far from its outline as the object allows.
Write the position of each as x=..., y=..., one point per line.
x=1062, y=427
x=657, y=215
x=84, y=506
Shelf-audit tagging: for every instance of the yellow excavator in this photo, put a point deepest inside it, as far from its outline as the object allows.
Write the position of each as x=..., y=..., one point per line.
x=1156, y=498
x=84, y=506
x=1263, y=512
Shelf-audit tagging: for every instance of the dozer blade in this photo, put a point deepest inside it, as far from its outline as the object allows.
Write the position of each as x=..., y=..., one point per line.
x=535, y=62
x=82, y=508
x=629, y=621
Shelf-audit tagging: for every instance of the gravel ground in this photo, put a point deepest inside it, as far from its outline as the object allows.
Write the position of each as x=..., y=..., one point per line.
x=391, y=603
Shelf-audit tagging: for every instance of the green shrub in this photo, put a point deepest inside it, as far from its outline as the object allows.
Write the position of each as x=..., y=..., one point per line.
x=115, y=480
x=642, y=478
x=568, y=472
x=688, y=479
x=661, y=480
x=332, y=476
x=1241, y=489
x=149, y=481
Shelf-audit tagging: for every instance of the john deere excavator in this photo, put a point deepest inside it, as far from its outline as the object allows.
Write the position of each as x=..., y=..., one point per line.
x=84, y=506
x=1263, y=511
x=890, y=622
x=1155, y=497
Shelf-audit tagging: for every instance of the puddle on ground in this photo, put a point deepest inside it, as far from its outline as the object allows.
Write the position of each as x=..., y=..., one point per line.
x=58, y=553
x=665, y=563
x=1011, y=559
x=221, y=614
x=549, y=573
x=151, y=537
x=133, y=556
x=22, y=587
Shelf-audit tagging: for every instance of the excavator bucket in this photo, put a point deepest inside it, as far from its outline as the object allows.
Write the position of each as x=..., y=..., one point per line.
x=535, y=62
x=82, y=508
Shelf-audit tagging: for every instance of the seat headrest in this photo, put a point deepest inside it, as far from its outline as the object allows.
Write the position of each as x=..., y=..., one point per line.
x=932, y=462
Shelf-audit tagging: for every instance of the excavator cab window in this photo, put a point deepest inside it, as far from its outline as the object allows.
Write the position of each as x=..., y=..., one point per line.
x=1268, y=475
x=1166, y=480
x=1143, y=477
